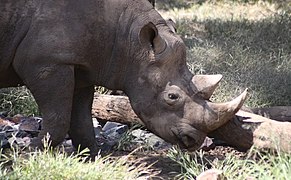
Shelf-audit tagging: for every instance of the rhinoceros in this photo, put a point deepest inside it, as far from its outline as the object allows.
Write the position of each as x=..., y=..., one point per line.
x=61, y=49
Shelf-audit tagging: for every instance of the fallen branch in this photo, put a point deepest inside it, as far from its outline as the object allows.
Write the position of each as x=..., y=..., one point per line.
x=279, y=113
x=114, y=108
x=269, y=133
x=243, y=131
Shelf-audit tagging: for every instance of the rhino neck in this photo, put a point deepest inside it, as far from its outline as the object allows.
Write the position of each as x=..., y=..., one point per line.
x=123, y=64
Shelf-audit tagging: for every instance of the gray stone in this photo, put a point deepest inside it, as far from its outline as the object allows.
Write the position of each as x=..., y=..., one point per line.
x=114, y=130
x=30, y=124
x=97, y=128
x=107, y=137
x=109, y=125
x=143, y=137
x=3, y=140
x=207, y=144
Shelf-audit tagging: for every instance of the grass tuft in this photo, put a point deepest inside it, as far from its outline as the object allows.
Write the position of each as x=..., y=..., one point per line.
x=248, y=43
x=18, y=101
x=56, y=164
x=257, y=164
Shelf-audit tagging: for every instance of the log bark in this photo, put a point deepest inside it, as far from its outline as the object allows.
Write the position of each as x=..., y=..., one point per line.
x=269, y=134
x=278, y=113
x=247, y=129
x=114, y=108
x=242, y=132
x=235, y=133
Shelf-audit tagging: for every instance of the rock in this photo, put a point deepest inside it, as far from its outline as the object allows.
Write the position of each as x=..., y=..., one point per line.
x=19, y=130
x=143, y=137
x=114, y=130
x=4, y=122
x=10, y=130
x=3, y=114
x=113, y=133
x=21, y=142
x=110, y=125
x=108, y=136
x=68, y=146
x=4, y=140
x=211, y=174
x=23, y=134
x=97, y=127
x=16, y=119
x=30, y=124
x=157, y=143
x=208, y=144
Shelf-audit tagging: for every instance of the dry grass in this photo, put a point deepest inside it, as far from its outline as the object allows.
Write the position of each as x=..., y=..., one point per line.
x=229, y=10
x=252, y=165
x=249, y=43
x=56, y=164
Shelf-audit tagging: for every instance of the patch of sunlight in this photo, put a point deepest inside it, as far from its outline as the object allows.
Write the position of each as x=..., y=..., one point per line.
x=224, y=11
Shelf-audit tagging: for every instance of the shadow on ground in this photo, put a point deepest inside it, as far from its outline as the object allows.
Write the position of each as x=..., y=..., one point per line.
x=253, y=54
x=170, y=4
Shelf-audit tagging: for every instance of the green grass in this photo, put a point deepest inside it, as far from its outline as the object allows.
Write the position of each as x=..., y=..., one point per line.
x=248, y=43
x=18, y=101
x=125, y=142
x=52, y=164
x=257, y=164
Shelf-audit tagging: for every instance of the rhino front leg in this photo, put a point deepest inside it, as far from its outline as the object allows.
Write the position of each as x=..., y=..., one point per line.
x=81, y=130
x=52, y=88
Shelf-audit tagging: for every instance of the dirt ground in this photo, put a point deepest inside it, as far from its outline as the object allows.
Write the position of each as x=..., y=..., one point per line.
x=165, y=168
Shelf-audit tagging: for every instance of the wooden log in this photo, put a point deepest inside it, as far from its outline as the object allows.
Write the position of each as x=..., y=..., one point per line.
x=114, y=108
x=243, y=131
x=235, y=133
x=247, y=129
x=278, y=113
x=269, y=134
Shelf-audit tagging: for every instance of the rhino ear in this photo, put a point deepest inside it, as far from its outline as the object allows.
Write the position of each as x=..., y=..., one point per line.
x=149, y=37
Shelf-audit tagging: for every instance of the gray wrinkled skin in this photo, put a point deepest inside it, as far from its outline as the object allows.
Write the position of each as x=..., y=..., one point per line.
x=60, y=49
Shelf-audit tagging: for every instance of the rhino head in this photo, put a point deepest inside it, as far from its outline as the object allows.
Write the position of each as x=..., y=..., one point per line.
x=169, y=99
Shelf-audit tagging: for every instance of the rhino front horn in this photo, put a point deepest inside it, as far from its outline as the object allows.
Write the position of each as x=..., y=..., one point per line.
x=220, y=113
x=206, y=84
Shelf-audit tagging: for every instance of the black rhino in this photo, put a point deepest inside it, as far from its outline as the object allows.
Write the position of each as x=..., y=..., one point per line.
x=61, y=49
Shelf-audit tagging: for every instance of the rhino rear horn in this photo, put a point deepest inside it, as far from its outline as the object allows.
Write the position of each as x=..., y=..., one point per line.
x=206, y=84
x=149, y=37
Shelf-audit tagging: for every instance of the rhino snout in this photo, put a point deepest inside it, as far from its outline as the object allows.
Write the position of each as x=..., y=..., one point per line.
x=188, y=137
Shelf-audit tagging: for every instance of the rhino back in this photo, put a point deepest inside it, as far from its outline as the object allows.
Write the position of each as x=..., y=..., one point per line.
x=79, y=33
x=15, y=17
x=83, y=33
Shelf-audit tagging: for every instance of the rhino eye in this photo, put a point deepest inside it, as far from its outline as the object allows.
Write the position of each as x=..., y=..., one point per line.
x=172, y=99
x=173, y=96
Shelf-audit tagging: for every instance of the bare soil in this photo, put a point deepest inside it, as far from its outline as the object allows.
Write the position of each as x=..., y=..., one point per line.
x=169, y=169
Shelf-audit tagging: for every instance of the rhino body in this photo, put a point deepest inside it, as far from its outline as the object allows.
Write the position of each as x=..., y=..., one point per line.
x=61, y=49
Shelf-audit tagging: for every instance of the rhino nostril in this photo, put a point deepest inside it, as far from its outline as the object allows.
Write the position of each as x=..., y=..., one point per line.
x=185, y=140
x=188, y=141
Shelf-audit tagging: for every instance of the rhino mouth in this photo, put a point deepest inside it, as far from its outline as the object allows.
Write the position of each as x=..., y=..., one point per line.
x=188, y=137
